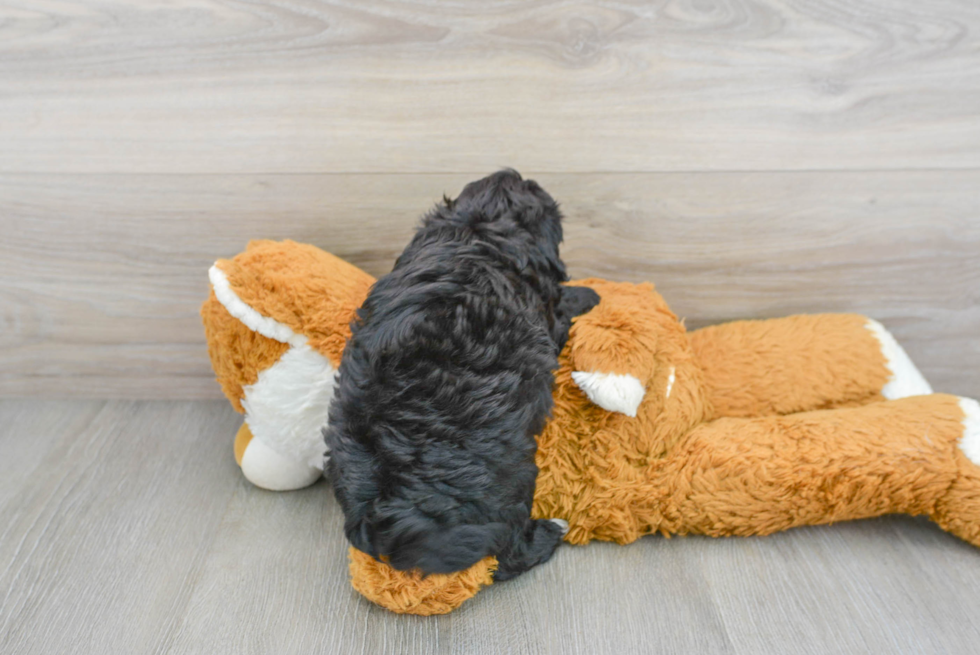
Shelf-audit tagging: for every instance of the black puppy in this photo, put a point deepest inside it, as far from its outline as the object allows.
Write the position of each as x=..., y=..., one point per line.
x=446, y=381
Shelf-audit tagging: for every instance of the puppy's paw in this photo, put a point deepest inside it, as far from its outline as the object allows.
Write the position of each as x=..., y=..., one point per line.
x=548, y=535
x=612, y=392
x=531, y=545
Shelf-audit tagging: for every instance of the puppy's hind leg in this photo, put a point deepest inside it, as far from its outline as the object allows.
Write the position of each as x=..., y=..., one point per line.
x=531, y=544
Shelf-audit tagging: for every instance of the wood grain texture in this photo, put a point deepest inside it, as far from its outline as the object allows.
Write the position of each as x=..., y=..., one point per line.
x=32, y=429
x=752, y=158
x=101, y=277
x=133, y=532
x=106, y=538
x=222, y=86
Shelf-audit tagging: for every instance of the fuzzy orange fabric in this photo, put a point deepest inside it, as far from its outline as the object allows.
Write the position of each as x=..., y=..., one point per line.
x=744, y=429
x=237, y=353
x=411, y=593
x=313, y=292
x=758, y=476
x=591, y=461
x=757, y=368
x=632, y=331
x=958, y=510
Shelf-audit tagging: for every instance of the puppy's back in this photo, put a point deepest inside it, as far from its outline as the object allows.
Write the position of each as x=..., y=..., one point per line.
x=447, y=379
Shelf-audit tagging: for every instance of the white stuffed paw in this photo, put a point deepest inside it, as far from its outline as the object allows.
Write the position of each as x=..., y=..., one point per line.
x=612, y=392
x=970, y=441
x=267, y=469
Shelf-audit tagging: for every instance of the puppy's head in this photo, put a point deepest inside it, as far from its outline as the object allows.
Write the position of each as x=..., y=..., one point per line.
x=504, y=199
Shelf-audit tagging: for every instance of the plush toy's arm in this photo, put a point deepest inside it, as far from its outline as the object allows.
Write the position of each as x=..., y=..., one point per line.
x=614, y=348
x=800, y=363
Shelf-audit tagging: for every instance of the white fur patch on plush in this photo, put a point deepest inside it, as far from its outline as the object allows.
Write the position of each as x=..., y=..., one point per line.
x=970, y=441
x=612, y=392
x=287, y=407
x=267, y=469
x=267, y=327
x=905, y=380
x=670, y=380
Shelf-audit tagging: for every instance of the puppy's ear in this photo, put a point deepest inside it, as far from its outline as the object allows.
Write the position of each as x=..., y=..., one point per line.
x=538, y=213
x=447, y=550
x=396, y=531
x=550, y=236
x=575, y=301
x=360, y=534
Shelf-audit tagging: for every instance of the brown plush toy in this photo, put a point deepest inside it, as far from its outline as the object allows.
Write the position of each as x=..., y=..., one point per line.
x=744, y=428
x=276, y=322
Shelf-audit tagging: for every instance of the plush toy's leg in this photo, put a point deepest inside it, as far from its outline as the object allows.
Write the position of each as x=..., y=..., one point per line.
x=287, y=409
x=801, y=363
x=267, y=469
x=757, y=476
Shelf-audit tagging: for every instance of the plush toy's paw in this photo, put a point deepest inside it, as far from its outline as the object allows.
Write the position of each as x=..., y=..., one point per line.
x=408, y=592
x=612, y=392
x=267, y=469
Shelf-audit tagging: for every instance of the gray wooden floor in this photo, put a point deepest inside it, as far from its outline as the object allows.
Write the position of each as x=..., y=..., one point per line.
x=127, y=528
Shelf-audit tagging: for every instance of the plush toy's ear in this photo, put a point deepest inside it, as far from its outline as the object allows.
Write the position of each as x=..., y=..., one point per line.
x=614, y=346
x=276, y=321
x=238, y=353
x=411, y=593
x=297, y=289
x=620, y=347
x=615, y=393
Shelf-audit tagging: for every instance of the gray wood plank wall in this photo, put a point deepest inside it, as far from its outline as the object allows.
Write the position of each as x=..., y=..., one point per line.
x=750, y=159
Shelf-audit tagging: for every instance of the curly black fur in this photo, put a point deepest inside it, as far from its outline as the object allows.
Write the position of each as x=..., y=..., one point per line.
x=447, y=379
